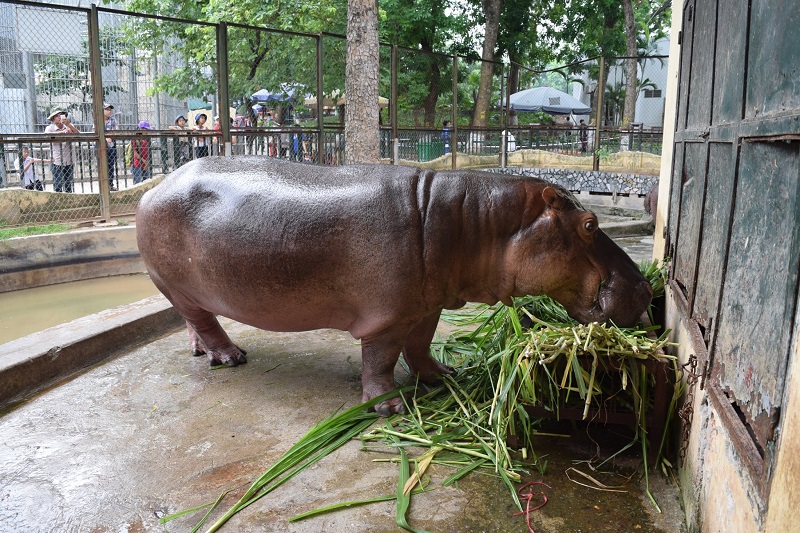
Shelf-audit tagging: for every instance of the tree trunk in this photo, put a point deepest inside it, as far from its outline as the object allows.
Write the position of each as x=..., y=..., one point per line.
x=629, y=112
x=513, y=86
x=491, y=12
x=361, y=128
x=433, y=93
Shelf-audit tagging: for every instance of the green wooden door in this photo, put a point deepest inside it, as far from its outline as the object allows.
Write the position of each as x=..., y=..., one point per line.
x=734, y=218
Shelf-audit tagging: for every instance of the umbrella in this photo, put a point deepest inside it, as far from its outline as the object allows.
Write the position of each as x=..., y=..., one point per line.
x=549, y=100
x=286, y=94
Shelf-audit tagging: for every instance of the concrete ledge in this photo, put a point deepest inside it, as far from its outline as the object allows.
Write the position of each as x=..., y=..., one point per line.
x=32, y=363
x=628, y=228
x=39, y=260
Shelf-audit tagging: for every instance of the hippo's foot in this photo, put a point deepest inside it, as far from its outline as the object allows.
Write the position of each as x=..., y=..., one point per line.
x=388, y=407
x=432, y=372
x=230, y=355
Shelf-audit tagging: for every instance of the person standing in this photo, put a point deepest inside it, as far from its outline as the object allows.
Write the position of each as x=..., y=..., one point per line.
x=445, y=136
x=140, y=165
x=29, y=179
x=111, y=145
x=201, y=142
x=583, y=135
x=180, y=147
x=63, y=164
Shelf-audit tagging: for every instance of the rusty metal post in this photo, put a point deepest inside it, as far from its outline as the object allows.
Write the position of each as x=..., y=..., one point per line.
x=99, y=118
x=320, y=102
x=222, y=85
x=601, y=82
x=393, y=109
x=504, y=114
x=454, y=139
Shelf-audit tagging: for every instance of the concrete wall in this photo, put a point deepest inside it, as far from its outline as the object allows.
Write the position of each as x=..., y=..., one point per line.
x=27, y=262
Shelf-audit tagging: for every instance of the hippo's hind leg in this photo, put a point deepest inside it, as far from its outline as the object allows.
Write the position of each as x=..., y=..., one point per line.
x=207, y=336
x=199, y=348
x=205, y=333
x=417, y=354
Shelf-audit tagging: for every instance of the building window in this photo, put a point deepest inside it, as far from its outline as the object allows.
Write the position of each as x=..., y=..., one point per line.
x=652, y=93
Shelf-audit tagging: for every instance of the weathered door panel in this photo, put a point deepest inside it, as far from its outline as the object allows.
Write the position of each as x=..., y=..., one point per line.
x=773, y=65
x=691, y=208
x=716, y=218
x=751, y=351
x=699, y=105
x=675, y=196
x=686, y=62
x=730, y=55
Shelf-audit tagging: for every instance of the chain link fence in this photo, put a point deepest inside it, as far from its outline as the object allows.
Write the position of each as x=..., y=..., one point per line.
x=95, y=114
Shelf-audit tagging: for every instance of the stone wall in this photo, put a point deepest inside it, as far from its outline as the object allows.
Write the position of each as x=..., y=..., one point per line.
x=588, y=180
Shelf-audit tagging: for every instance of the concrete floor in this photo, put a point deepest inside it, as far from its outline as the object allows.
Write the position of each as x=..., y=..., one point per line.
x=155, y=431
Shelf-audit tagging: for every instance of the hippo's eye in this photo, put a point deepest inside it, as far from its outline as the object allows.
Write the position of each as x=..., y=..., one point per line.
x=589, y=226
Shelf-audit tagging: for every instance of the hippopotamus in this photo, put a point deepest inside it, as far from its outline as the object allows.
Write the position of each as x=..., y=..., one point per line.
x=375, y=250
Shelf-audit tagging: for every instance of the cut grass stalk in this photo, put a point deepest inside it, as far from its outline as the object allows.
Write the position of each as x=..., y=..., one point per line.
x=320, y=441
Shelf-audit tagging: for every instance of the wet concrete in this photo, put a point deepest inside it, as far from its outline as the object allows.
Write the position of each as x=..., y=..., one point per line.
x=154, y=431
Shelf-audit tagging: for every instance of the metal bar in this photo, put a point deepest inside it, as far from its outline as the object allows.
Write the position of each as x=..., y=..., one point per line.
x=222, y=86
x=393, y=109
x=320, y=102
x=454, y=140
x=95, y=69
x=601, y=83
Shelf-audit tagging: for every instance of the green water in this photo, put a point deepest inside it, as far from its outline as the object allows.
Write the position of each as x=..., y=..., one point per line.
x=31, y=310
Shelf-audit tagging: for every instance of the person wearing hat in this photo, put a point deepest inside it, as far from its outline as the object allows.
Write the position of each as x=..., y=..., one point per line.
x=140, y=163
x=181, y=149
x=111, y=145
x=201, y=142
x=63, y=164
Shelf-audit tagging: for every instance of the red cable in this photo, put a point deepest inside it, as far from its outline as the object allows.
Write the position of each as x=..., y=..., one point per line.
x=528, y=497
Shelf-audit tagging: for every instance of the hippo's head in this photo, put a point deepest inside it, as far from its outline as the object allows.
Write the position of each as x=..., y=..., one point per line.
x=565, y=255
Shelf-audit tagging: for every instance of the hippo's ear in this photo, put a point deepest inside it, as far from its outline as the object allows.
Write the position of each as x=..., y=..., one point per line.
x=552, y=198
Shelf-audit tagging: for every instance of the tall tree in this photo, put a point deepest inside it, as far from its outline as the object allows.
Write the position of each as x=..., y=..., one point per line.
x=631, y=64
x=491, y=14
x=361, y=125
x=428, y=26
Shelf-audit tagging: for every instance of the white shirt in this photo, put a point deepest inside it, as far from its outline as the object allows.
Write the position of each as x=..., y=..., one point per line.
x=62, y=152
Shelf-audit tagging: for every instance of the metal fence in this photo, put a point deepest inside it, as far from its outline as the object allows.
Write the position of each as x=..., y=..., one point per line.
x=141, y=95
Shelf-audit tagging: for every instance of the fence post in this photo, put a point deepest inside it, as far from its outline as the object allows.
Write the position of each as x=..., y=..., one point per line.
x=601, y=84
x=223, y=106
x=95, y=69
x=320, y=104
x=393, y=109
x=504, y=114
x=454, y=140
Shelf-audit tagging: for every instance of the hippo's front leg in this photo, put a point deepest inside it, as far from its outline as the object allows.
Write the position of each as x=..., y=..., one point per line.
x=379, y=356
x=417, y=351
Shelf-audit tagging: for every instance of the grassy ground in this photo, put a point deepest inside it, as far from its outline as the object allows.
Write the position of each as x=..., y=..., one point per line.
x=10, y=233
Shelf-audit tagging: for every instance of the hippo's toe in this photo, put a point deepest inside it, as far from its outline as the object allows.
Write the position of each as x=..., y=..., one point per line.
x=390, y=407
x=232, y=356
